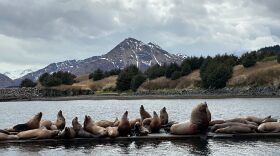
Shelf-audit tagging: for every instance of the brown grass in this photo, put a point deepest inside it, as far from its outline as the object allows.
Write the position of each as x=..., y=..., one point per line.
x=190, y=81
x=263, y=73
x=108, y=83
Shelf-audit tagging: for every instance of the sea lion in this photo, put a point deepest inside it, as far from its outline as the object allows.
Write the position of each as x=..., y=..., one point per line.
x=184, y=128
x=143, y=113
x=241, y=120
x=163, y=115
x=33, y=123
x=235, y=129
x=113, y=132
x=214, y=122
x=167, y=126
x=116, y=123
x=139, y=130
x=269, y=127
x=227, y=124
x=133, y=121
x=146, y=122
x=124, y=126
x=200, y=117
x=38, y=134
x=269, y=120
x=67, y=133
x=4, y=131
x=80, y=132
x=48, y=125
x=155, y=124
x=60, y=121
x=256, y=119
x=93, y=128
x=5, y=136
x=199, y=122
x=107, y=123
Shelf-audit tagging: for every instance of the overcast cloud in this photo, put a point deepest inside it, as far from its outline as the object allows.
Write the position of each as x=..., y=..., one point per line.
x=34, y=33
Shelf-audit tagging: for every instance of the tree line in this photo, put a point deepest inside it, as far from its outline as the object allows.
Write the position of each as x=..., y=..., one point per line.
x=214, y=71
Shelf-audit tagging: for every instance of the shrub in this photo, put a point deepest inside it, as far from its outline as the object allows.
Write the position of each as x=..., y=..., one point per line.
x=125, y=77
x=185, y=69
x=155, y=71
x=57, y=78
x=175, y=75
x=249, y=59
x=27, y=83
x=97, y=75
x=215, y=74
x=171, y=68
x=278, y=58
x=136, y=81
x=194, y=62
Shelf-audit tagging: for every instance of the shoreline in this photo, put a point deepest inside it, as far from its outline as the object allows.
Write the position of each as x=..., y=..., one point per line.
x=137, y=97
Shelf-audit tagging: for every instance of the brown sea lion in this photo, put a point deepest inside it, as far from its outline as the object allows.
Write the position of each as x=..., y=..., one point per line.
x=256, y=119
x=38, y=134
x=60, y=121
x=33, y=123
x=163, y=115
x=133, y=121
x=269, y=127
x=200, y=117
x=184, y=128
x=241, y=120
x=227, y=124
x=155, y=124
x=269, y=120
x=124, y=126
x=143, y=113
x=80, y=132
x=113, y=132
x=214, y=122
x=107, y=123
x=146, y=122
x=67, y=133
x=48, y=125
x=93, y=128
x=139, y=130
x=4, y=136
x=235, y=130
x=116, y=123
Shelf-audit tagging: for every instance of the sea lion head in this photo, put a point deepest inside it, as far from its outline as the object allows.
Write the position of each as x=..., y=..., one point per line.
x=142, y=107
x=155, y=114
x=87, y=120
x=125, y=115
x=60, y=120
x=163, y=109
x=76, y=125
x=54, y=133
x=39, y=116
x=200, y=117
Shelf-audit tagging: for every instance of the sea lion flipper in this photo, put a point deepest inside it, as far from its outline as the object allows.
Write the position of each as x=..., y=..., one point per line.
x=20, y=127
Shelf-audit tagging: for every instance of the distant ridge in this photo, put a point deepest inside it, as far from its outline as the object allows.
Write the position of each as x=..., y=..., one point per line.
x=129, y=51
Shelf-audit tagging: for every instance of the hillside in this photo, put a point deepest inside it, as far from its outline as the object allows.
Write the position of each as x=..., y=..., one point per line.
x=262, y=74
x=129, y=51
x=5, y=81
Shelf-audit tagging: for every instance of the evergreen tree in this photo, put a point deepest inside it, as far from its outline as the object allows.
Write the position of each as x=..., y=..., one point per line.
x=27, y=83
x=136, y=81
x=249, y=59
x=98, y=75
x=171, y=68
x=175, y=75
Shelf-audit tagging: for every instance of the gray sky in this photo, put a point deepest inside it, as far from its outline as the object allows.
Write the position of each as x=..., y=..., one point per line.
x=34, y=33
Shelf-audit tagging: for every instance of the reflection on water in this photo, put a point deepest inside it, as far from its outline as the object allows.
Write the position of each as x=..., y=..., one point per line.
x=179, y=110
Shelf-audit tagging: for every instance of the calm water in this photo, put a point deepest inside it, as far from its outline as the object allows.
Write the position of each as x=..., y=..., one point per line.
x=179, y=110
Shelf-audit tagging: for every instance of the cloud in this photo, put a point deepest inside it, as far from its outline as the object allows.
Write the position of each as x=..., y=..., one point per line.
x=36, y=33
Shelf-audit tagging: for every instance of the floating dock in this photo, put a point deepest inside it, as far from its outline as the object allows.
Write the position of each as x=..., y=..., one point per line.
x=156, y=137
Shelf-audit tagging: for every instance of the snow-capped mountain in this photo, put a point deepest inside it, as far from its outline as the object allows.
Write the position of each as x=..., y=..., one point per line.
x=5, y=81
x=130, y=51
x=18, y=73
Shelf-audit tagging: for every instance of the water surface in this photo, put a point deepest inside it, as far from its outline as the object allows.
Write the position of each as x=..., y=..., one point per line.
x=179, y=110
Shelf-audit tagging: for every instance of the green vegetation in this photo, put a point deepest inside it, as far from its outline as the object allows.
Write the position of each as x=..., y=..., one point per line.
x=97, y=75
x=136, y=81
x=249, y=59
x=170, y=69
x=155, y=71
x=215, y=74
x=27, y=83
x=278, y=58
x=175, y=75
x=56, y=79
x=270, y=58
x=125, y=78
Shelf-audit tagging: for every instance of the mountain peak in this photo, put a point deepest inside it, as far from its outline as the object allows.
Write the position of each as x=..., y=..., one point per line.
x=154, y=45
